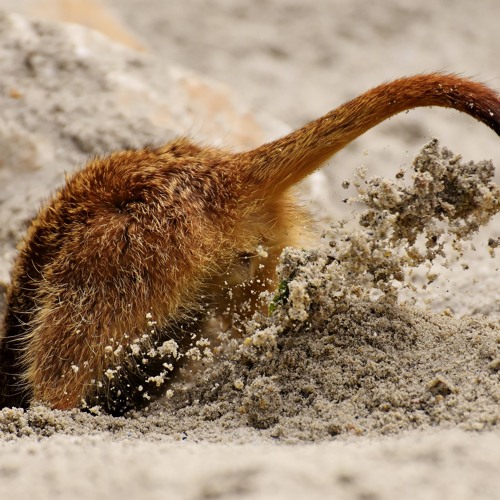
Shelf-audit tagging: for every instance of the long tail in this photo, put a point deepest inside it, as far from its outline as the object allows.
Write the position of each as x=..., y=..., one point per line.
x=276, y=166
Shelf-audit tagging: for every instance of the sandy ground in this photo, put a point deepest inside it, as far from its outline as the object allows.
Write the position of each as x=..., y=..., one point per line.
x=410, y=406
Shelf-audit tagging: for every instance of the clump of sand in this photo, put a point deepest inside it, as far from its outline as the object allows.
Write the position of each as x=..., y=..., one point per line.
x=340, y=354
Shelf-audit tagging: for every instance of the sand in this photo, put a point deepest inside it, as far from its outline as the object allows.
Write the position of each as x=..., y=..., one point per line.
x=343, y=391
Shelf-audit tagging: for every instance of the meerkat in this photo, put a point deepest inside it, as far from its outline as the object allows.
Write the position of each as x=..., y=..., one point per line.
x=117, y=271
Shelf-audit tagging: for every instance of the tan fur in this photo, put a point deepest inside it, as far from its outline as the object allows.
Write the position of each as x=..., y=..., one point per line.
x=160, y=232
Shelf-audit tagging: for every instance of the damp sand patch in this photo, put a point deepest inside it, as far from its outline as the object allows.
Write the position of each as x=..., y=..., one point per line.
x=340, y=353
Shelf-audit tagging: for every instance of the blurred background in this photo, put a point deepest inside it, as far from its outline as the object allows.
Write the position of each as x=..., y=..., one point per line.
x=296, y=60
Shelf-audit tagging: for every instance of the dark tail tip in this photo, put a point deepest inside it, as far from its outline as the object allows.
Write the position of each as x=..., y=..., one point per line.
x=477, y=100
x=490, y=113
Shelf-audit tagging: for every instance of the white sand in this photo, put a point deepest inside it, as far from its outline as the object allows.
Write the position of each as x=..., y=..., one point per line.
x=295, y=63
x=446, y=464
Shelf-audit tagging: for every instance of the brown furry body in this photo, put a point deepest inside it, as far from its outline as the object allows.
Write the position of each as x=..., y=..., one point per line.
x=140, y=241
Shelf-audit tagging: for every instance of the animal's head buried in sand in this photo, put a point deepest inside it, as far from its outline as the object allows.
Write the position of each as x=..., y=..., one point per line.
x=118, y=270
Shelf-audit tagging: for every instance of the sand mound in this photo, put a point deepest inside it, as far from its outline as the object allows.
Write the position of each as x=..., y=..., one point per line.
x=339, y=353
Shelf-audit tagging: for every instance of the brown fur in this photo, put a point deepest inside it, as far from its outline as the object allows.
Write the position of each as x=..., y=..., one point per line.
x=160, y=232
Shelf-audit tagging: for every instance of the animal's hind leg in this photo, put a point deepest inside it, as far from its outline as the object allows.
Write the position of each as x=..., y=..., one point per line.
x=148, y=365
